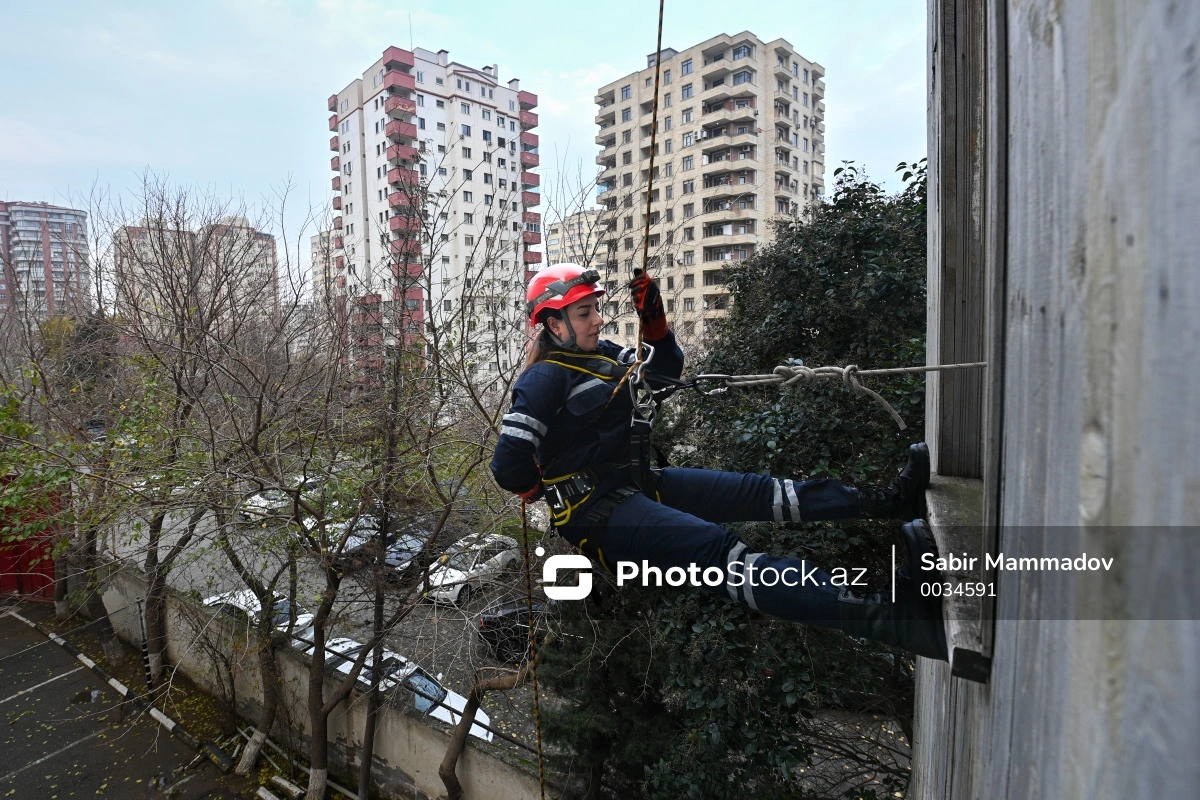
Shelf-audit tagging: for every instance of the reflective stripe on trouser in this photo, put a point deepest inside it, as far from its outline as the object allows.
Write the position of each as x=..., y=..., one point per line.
x=653, y=534
x=735, y=497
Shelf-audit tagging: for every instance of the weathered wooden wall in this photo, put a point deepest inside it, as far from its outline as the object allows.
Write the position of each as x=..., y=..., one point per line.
x=1094, y=685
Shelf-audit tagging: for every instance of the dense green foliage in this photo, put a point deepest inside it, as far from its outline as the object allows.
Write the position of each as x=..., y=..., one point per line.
x=671, y=694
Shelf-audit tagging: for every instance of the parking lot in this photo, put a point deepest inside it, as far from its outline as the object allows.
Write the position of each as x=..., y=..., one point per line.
x=67, y=733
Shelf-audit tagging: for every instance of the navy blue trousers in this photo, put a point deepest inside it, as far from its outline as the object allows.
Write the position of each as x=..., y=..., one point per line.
x=682, y=528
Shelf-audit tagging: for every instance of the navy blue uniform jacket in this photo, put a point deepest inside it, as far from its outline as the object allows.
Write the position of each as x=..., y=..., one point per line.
x=562, y=419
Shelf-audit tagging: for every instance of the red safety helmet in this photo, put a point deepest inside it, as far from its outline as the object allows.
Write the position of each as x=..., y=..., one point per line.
x=559, y=285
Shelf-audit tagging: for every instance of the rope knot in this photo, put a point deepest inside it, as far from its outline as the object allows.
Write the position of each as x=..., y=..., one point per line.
x=851, y=381
x=794, y=374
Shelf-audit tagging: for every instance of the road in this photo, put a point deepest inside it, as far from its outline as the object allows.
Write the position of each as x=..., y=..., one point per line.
x=67, y=735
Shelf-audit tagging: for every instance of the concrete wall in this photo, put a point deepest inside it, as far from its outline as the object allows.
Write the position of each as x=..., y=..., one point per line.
x=408, y=748
x=1094, y=681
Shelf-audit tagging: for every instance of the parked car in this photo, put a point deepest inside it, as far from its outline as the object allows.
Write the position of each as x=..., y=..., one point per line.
x=429, y=695
x=467, y=567
x=243, y=603
x=276, y=503
x=404, y=549
x=504, y=629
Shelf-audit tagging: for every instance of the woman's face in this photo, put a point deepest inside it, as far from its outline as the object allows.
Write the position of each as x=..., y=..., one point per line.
x=586, y=321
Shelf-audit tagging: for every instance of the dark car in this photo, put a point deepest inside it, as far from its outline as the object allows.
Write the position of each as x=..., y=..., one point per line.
x=504, y=630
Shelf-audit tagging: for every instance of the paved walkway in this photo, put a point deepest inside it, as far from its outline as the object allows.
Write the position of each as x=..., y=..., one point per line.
x=65, y=734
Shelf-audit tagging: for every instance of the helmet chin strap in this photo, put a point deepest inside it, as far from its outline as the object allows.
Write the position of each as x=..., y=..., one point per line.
x=569, y=342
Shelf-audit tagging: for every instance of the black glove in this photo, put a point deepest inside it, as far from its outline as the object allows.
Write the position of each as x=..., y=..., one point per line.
x=648, y=302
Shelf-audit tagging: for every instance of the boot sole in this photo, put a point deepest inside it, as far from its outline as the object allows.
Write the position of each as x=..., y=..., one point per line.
x=919, y=541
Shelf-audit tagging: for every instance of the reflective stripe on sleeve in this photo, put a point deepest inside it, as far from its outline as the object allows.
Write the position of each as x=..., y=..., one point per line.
x=520, y=433
x=526, y=420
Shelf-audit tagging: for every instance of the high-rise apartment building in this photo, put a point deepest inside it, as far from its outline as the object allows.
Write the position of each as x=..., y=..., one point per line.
x=321, y=267
x=44, y=259
x=227, y=266
x=435, y=194
x=740, y=142
x=577, y=239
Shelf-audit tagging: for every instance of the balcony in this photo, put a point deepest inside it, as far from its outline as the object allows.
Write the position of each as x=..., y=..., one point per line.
x=333, y=143
x=337, y=202
x=782, y=71
x=339, y=263
x=335, y=163
x=332, y=104
x=396, y=58
x=530, y=179
x=399, y=80
x=818, y=91
x=338, y=242
x=402, y=200
x=397, y=129
x=337, y=222
x=528, y=120
x=337, y=183
x=404, y=224
x=398, y=106
x=532, y=258
x=405, y=246
x=407, y=269
x=402, y=153
x=404, y=177
x=528, y=138
x=719, y=90
x=606, y=140
x=528, y=100
x=787, y=187
x=530, y=216
x=531, y=237
x=723, y=139
x=333, y=122
x=530, y=159
x=531, y=199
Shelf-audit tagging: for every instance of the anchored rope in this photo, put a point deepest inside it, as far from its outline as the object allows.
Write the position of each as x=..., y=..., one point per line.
x=537, y=697
x=792, y=374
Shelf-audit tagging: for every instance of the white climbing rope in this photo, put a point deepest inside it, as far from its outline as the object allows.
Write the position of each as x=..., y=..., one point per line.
x=792, y=374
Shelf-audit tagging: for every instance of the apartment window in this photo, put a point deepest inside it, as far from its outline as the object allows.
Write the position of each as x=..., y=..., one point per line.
x=626, y=92
x=501, y=162
x=689, y=258
x=649, y=80
x=741, y=51
x=500, y=121
x=628, y=223
x=667, y=100
x=345, y=105
x=464, y=108
x=487, y=177
x=466, y=130
x=686, y=92
x=468, y=219
x=689, y=162
x=667, y=146
x=469, y=241
x=487, y=199
x=421, y=100
x=689, y=280
x=741, y=77
x=689, y=303
x=670, y=192
x=627, y=157
x=440, y=103
x=503, y=184
x=628, y=202
x=487, y=137
x=439, y=81
x=806, y=99
x=466, y=174
x=688, y=139
x=629, y=244
x=689, y=187
x=686, y=67
x=806, y=76
x=441, y=126
x=466, y=151
x=805, y=167
x=667, y=171
x=667, y=124
x=666, y=76
x=627, y=179
x=626, y=115
x=420, y=77
x=689, y=210
x=626, y=137
x=345, y=126
x=468, y=197
x=687, y=116
x=689, y=234
x=421, y=124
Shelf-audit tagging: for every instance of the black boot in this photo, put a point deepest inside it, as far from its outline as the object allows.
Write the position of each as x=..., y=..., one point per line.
x=912, y=623
x=918, y=542
x=904, y=497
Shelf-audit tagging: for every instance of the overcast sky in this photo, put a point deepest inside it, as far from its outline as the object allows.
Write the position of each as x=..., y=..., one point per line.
x=231, y=94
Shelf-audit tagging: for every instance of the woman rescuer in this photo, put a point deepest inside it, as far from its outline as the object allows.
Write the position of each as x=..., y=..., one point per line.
x=568, y=438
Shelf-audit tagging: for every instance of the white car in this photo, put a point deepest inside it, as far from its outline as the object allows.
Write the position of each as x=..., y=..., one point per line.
x=275, y=503
x=429, y=696
x=473, y=562
x=242, y=602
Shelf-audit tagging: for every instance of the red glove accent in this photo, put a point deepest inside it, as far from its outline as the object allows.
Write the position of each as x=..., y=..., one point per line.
x=648, y=302
x=533, y=495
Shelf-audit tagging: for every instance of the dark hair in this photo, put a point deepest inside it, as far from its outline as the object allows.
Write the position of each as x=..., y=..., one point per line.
x=541, y=344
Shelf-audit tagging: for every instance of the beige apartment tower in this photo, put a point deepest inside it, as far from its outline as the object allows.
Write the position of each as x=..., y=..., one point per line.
x=740, y=142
